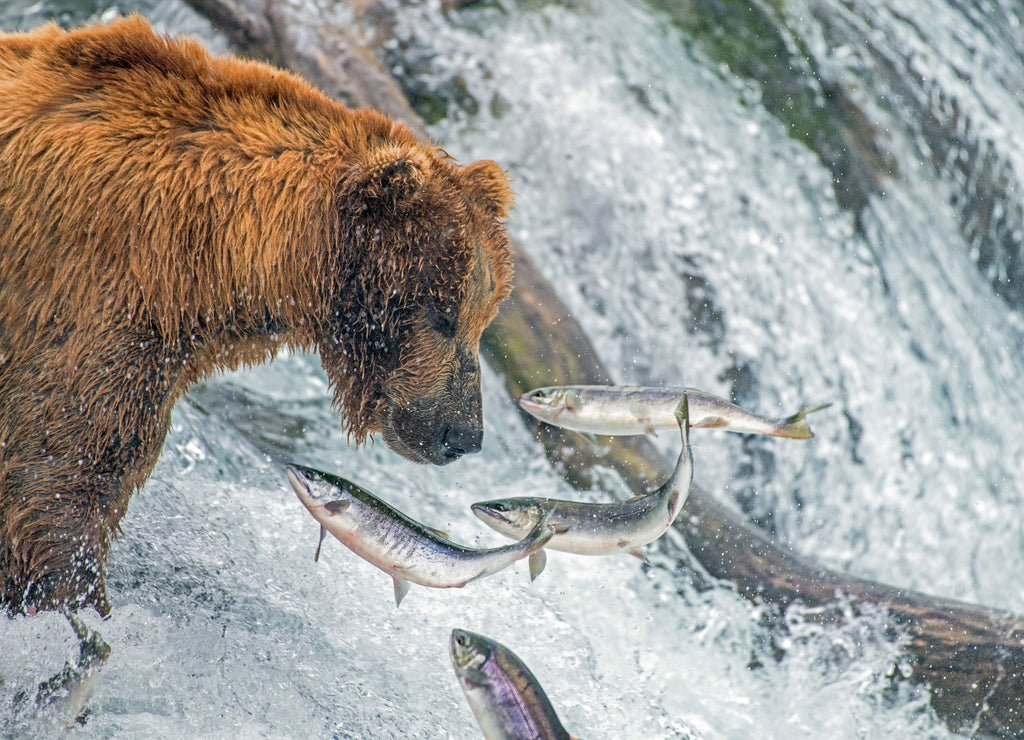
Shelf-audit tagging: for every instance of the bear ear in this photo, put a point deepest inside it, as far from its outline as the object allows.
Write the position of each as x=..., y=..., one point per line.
x=488, y=185
x=386, y=176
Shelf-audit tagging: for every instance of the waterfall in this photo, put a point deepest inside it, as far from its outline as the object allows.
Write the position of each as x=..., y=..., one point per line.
x=850, y=233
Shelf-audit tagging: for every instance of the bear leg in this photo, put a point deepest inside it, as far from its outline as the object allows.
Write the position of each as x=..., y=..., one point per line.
x=76, y=439
x=64, y=695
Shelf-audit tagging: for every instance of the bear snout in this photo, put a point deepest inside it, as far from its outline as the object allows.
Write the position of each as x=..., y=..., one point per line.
x=427, y=433
x=456, y=441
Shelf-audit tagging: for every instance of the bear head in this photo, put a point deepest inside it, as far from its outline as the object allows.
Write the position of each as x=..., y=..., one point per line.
x=425, y=263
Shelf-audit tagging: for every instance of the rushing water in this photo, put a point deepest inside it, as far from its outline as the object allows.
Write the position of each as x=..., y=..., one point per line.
x=697, y=244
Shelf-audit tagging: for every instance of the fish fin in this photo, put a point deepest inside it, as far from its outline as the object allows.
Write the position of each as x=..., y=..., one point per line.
x=712, y=422
x=401, y=589
x=795, y=426
x=538, y=559
x=641, y=553
x=599, y=449
x=682, y=412
x=589, y=438
x=323, y=533
x=336, y=507
x=439, y=532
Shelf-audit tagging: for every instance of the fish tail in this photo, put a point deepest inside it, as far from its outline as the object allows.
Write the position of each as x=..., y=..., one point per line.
x=795, y=426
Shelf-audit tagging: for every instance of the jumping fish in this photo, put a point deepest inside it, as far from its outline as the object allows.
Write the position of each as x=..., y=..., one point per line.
x=400, y=546
x=598, y=528
x=506, y=699
x=627, y=410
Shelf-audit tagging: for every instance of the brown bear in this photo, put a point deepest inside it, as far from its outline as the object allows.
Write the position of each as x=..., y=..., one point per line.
x=165, y=214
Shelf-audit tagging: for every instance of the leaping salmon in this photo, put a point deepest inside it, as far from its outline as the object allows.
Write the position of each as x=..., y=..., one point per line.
x=629, y=410
x=597, y=528
x=405, y=549
x=506, y=699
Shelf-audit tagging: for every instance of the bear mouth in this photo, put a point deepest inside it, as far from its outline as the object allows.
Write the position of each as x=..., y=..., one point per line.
x=429, y=438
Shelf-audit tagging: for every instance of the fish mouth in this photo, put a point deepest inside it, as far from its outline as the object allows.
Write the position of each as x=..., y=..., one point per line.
x=534, y=401
x=493, y=511
x=457, y=647
x=302, y=480
x=515, y=518
x=543, y=403
x=297, y=480
x=465, y=651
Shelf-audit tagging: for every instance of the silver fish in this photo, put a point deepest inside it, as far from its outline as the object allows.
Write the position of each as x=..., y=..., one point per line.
x=627, y=410
x=506, y=699
x=400, y=546
x=601, y=529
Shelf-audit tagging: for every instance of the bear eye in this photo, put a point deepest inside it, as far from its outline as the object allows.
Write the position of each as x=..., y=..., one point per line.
x=443, y=323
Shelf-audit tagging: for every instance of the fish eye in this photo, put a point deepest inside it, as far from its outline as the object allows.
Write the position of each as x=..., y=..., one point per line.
x=462, y=639
x=498, y=506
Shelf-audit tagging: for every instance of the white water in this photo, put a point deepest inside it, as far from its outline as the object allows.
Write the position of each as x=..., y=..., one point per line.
x=639, y=171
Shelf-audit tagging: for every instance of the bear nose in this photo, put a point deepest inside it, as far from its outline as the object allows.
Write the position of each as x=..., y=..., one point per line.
x=454, y=442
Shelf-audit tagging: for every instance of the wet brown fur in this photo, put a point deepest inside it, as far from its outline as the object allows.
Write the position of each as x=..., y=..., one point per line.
x=165, y=214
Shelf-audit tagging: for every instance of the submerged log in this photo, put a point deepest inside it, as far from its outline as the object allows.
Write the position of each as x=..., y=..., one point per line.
x=971, y=657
